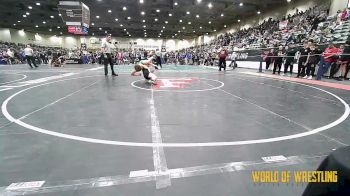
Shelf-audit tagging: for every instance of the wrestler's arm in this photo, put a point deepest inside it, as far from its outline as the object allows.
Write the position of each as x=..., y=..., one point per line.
x=136, y=73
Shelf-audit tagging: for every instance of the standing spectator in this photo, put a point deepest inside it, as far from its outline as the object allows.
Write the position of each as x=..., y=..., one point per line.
x=222, y=59
x=328, y=57
x=278, y=60
x=29, y=56
x=313, y=58
x=290, y=54
x=11, y=56
x=302, y=56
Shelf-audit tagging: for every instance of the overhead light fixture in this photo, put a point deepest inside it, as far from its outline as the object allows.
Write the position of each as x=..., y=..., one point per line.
x=197, y=16
x=170, y=14
x=38, y=4
x=24, y=16
x=143, y=20
x=210, y=5
x=18, y=21
x=163, y=27
x=175, y=3
x=144, y=30
x=97, y=17
x=189, y=23
x=50, y=29
x=109, y=11
x=238, y=20
x=92, y=24
x=200, y=27
x=241, y=4
x=142, y=13
x=289, y=1
x=121, y=25
x=141, y=1
x=258, y=12
x=194, y=31
x=93, y=33
x=199, y=1
x=209, y=22
x=100, y=28
x=225, y=26
x=106, y=32
x=222, y=15
x=188, y=12
x=158, y=11
x=144, y=26
x=14, y=24
x=124, y=8
x=179, y=31
x=116, y=19
x=27, y=13
x=166, y=22
x=36, y=26
x=61, y=33
x=180, y=20
x=44, y=22
x=183, y=27
x=52, y=17
x=161, y=31
x=59, y=14
x=129, y=35
x=156, y=19
x=129, y=17
x=124, y=29
x=58, y=27
x=30, y=7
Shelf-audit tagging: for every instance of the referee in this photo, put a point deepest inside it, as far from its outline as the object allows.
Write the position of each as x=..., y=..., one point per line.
x=106, y=50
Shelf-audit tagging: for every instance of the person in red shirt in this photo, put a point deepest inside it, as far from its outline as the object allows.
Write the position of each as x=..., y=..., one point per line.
x=222, y=59
x=328, y=57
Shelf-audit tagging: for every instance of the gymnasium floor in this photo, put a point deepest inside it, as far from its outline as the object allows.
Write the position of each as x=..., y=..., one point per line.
x=196, y=132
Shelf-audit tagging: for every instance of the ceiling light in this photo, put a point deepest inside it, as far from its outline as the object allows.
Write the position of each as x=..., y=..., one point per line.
x=59, y=14
x=289, y=1
x=58, y=27
x=121, y=25
x=28, y=13
x=207, y=33
x=156, y=19
x=194, y=31
x=142, y=13
x=258, y=12
x=180, y=20
x=30, y=7
x=175, y=3
x=209, y=22
x=197, y=16
x=225, y=26
x=157, y=10
x=129, y=35
x=44, y=22
x=210, y=5
x=170, y=14
x=106, y=32
x=222, y=15
x=52, y=17
x=238, y=20
x=159, y=36
x=163, y=27
x=93, y=33
x=18, y=21
x=24, y=16
x=199, y=1
x=183, y=28
x=189, y=23
x=200, y=27
x=161, y=31
x=92, y=24
x=124, y=8
x=124, y=29
x=36, y=26
x=97, y=17
x=14, y=24
x=144, y=30
x=50, y=29
x=144, y=26
x=129, y=17
x=241, y=4
x=61, y=33
x=141, y=1
x=166, y=22
x=100, y=28
x=188, y=12
x=37, y=4
x=143, y=20
x=116, y=19
x=179, y=31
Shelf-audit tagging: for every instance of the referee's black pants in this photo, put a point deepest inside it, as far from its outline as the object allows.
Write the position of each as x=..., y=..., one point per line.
x=107, y=59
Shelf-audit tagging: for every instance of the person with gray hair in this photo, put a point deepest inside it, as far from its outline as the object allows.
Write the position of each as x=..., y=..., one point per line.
x=29, y=56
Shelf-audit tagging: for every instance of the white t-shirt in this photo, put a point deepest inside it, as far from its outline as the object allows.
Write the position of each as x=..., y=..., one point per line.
x=107, y=46
x=10, y=53
x=28, y=52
